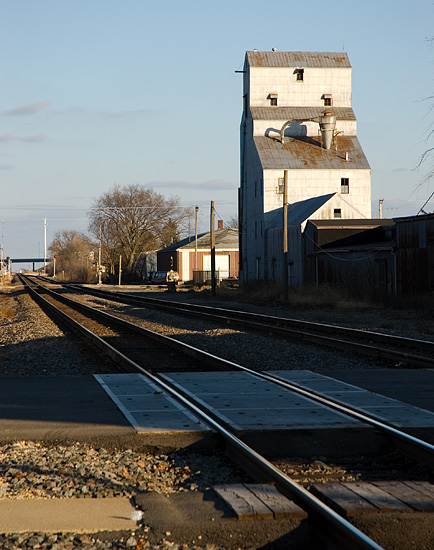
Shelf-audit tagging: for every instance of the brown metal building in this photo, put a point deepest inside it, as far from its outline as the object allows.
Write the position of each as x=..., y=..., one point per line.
x=356, y=255
x=415, y=254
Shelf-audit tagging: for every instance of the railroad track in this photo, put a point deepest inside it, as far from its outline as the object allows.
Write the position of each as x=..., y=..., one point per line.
x=404, y=351
x=327, y=518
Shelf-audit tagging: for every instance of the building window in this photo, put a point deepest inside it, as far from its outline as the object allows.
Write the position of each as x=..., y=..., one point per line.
x=273, y=99
x=273, y=268
x=245, y=103
x=281, y=186
x=258, y=268
x=256, y=230
x=328, y=100
x=345, y=185
x=337, y=213
x=299, y=74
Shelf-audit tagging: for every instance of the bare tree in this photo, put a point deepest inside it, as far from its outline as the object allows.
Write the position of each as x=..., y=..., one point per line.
x=233, y=223
x=428, y=155
x=132, y=220
x=75, y=255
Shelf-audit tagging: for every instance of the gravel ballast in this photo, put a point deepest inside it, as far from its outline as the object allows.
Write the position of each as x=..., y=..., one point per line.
x=31, y=344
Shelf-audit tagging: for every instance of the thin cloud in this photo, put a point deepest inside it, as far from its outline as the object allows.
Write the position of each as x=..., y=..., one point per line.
x=6, y=167
x=219, y=185
x=402, y=170
x=8, y=138
x=71, y=111
x=122, y=114
x=26, y=110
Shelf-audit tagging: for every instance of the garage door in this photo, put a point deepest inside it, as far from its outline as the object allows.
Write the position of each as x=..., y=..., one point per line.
x=221, y=265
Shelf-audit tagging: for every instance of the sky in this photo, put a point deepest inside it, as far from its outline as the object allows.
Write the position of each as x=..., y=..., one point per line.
x=97, y=93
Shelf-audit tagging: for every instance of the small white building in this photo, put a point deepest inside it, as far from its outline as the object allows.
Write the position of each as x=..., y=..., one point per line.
x=297, y=118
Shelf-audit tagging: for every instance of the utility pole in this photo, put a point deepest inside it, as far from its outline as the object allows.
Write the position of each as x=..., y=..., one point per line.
x=120, y=269
x=285, y=236
x=45, y=243
x=195, y=243
x=1, y=249
x=213, y=281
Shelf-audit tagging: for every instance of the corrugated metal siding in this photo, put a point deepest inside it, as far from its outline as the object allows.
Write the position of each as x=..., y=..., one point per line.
x=415, y=254
x=360, y=273
x=307, y=153
x=299, y=113
x=298, y=59
x=164, y=261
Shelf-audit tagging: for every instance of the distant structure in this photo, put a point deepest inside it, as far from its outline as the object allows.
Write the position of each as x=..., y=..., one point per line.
x=192, y=259
x=298, y=133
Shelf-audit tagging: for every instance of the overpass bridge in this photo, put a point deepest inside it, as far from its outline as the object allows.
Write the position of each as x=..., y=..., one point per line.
x=29, y=260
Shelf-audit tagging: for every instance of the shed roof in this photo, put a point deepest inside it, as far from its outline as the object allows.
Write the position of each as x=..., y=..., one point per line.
x=363, y=223
x=298, y=59
x=181, y=243
x=299, y=113
x=224, y=239
x=298, y=212
x=415, y=218
x=306, y=152
x=353, y=233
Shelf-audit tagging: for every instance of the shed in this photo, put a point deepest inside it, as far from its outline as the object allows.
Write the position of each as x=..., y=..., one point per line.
x=415, y=253
x=319, y=208
x=188, y=256
x=356, y=255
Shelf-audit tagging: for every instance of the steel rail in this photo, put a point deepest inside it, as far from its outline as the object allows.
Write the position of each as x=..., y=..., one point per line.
x=418, y=448
x=336, y=526
x=288, y=327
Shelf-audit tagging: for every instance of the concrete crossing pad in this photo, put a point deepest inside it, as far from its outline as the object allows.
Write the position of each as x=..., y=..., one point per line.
x=147, y=408
x=77, y=515
x=401, y=415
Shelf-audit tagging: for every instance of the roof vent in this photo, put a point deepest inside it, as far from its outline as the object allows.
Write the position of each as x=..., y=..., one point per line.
x=327, y=126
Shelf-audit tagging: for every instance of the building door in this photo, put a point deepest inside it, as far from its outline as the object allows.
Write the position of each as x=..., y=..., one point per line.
x=222, y=265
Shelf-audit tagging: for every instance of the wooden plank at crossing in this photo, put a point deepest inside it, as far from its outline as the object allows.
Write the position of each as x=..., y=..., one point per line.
x=243, y=502
x=342, y=499
x=409, y=493
x=379, y=498
x=280, y=505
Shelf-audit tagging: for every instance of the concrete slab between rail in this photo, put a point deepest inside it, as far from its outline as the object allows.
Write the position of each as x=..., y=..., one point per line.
x=61, y=409
x=146, y=406
x=382, y=407
x=77, y=515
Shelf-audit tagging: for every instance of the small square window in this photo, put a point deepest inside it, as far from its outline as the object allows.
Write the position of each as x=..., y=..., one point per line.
x=328, y=100
x=273, y=98
x=299, y=74
x=281, y=186
x=345, y=185
x=337, y=213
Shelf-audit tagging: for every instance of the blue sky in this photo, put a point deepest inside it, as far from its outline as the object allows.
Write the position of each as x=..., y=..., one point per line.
x=101, y=92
